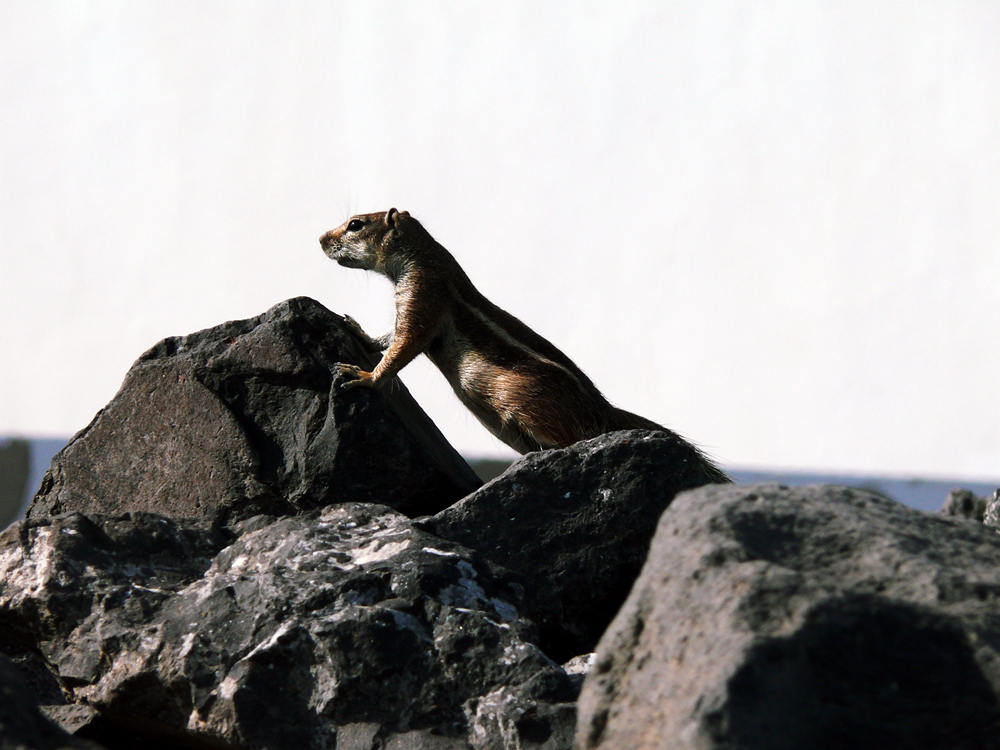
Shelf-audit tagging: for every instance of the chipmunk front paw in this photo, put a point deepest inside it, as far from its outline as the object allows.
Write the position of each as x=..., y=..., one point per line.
x=351, y=376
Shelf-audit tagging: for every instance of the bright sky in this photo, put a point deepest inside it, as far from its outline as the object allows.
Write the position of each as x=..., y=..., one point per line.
x=772, y=227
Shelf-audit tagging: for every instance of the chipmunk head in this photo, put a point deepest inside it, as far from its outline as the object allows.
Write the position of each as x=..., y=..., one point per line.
x=368, y=241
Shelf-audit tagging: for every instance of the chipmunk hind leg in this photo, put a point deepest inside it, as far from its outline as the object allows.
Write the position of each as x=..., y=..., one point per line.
x=498, y=417
x=538, y=415
x=529, y=411
x=545, y=434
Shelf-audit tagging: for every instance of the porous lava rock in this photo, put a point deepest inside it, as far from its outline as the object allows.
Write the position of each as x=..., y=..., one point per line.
x=576, y=524
x=821, y=617
x=328, y=629
x=244, y=419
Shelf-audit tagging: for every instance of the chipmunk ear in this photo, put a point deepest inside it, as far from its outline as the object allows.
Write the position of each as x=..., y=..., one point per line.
x=390, y=217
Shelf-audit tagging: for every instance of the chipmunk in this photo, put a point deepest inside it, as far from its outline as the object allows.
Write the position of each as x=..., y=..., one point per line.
x=521, y=387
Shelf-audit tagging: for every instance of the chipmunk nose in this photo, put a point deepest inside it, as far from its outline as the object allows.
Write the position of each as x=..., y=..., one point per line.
x=324, y=239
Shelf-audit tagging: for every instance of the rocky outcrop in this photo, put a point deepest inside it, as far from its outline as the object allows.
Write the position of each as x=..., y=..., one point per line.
x=964, y=503
x=576, y=524
x=239, y=420
x=968, y=504
x=991, y=513
x=822, y=617
x=333, y=628
x=237, y=555
x=222, y=559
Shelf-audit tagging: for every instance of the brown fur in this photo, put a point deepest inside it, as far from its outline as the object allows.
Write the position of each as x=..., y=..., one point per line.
x=521, y=387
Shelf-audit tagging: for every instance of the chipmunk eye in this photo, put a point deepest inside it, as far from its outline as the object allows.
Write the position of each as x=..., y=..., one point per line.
x=354, y=225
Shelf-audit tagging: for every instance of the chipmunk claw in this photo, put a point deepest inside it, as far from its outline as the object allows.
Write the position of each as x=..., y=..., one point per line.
x=350, y=376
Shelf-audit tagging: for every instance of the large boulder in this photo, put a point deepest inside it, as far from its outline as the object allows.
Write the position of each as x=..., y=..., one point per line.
x=822, y=617
x=245, y=418
x=576, y=524
x=345, y=627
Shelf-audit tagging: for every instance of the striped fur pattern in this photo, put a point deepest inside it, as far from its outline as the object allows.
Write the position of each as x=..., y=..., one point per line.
x=521, y=387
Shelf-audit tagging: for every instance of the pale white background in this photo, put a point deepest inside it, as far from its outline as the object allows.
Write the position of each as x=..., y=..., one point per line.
x=774, y=227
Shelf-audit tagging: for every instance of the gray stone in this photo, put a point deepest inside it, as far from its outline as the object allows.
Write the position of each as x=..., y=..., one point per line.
x=820, y=617
x=246, y=418
x=964, y=503
x=330, y=628
x=539, y=714
x=73, y=718
x=576, y=524
x=991, y=512
x=33, y=670
x=22, y=725
x=370, y=736
x=578, y=667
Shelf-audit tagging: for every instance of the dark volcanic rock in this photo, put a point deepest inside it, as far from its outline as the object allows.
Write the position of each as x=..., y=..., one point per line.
x=964, y=503
x=22, y=724
x=822, y=617
x=34, y=671
x=243, y=419
x=328, y=629
x=67, y=581
x=540, y=713
x=576, y=524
